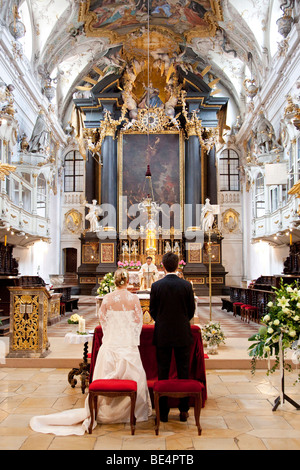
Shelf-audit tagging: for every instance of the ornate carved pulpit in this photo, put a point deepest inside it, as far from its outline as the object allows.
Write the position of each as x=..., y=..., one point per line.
x=29, y=308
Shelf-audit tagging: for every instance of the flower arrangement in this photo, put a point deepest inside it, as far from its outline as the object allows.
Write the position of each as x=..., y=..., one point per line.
x=281, y=326
x=74, y=319
x=107, y=285
x=181, y=263
x=213, y=334
x=129, y=265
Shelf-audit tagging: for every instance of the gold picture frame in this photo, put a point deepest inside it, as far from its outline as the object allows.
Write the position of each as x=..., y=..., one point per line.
x=107, y=251
x=90, y=253
x=194, y=253
x=181, y=189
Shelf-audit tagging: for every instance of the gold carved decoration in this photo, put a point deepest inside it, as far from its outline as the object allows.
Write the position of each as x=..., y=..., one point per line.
x=5, y=170
x=152, y=120
x=95, y=137
x=73, y=221
x=230, y=220
x=26, y=322
x=195, y=253
x=207, y=136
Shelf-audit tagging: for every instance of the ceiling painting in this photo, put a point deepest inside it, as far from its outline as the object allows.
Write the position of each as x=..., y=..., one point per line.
x=190, y=18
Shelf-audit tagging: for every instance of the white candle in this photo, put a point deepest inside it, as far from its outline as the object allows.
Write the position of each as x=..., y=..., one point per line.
x=81, y=325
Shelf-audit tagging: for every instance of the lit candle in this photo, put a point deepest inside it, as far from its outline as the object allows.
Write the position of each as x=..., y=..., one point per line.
x=5, y=240
x=291, y=238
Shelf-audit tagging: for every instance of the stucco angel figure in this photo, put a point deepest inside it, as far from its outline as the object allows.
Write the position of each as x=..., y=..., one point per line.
x=94, y=212
x=265, y=136
x=207, y=216
x=39, y=141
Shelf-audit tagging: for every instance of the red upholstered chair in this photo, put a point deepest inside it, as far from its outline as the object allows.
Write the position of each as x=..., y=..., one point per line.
x=251, y=313
x=112, y=388
x=236, y=308
x=178, y=388
x=243, y=311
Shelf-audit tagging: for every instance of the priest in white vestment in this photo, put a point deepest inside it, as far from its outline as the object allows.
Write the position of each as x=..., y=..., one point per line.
x=148, y=274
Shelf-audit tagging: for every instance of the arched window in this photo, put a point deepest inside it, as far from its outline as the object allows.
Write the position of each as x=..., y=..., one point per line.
x=259, y=196
x=74, y=172
x=229, y=171
x=41, y=196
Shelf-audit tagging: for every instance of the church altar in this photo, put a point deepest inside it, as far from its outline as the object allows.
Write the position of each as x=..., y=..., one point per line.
x=145, y=303
x=153, y=168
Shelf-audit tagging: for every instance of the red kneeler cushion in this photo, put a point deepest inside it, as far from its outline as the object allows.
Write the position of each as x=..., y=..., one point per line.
x=113, y=385
x=179, y=385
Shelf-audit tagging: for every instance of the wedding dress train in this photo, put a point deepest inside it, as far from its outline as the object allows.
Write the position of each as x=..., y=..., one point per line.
x=118, y=358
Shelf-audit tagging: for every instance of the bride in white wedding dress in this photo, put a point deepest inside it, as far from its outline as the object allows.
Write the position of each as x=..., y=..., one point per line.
x=118, y=358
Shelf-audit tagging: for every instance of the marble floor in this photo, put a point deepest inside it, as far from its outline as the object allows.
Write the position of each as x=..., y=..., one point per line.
x=237, y=414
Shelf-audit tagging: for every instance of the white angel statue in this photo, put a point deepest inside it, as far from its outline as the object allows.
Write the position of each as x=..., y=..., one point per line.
x=94, y=212
x=207, y=216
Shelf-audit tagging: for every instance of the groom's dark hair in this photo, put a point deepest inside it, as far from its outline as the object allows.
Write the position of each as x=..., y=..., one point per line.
x=170, y=262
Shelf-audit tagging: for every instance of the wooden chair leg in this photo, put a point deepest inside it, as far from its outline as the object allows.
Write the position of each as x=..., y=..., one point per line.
x=197, y=409
x=91, y=407
x=157, y=419
x=96, y=403
x=132, y=414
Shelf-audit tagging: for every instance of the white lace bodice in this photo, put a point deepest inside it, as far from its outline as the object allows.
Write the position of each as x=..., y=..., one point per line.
x=121, y=319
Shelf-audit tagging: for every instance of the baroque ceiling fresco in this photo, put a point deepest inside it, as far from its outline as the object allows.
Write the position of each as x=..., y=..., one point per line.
x=74, y=43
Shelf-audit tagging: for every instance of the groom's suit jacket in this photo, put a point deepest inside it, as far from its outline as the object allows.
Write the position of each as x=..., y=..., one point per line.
x=172, y=306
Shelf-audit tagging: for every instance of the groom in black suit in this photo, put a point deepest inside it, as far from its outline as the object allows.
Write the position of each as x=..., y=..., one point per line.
x=172, y=306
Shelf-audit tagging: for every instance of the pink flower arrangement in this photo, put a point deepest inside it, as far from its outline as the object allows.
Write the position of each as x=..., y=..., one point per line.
x=182, y=263
x=131, y=265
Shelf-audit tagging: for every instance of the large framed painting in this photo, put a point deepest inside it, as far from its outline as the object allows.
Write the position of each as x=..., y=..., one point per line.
x=164, y=154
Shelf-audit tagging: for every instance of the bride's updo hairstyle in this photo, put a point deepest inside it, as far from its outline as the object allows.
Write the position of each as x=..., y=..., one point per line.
x=121, y=277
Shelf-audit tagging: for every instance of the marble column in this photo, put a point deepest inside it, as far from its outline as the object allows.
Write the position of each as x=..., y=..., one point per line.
x=109, y=178
x=212, y=177
x=192, y=182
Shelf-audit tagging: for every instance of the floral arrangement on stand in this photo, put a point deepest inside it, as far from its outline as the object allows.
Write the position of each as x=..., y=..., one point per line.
x=78, y=323
x=107, y=285
x=280, y=329
x=213, y=335
x=181, y=263
x=129, y=264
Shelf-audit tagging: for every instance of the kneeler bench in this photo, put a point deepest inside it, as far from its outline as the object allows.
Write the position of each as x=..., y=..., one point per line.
x=178, y=388
x=112, y=388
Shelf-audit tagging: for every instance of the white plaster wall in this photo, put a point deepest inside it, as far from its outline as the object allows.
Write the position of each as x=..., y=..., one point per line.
x=42, y=258
x=232, y=251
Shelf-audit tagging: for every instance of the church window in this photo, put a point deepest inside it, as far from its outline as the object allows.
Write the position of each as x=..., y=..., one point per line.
x=74, y=172
x=274, y=198
x=259, y=196
x=291, y=175
x=229, y=171
x=41, y=196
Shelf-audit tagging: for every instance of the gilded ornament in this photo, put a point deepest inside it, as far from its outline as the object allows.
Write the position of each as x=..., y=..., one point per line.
x=5, y=170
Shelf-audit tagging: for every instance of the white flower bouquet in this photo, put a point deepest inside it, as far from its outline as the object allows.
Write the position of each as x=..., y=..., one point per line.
x=107, y=285
x=281, y=326
x=213, y=334
x=74, y=319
